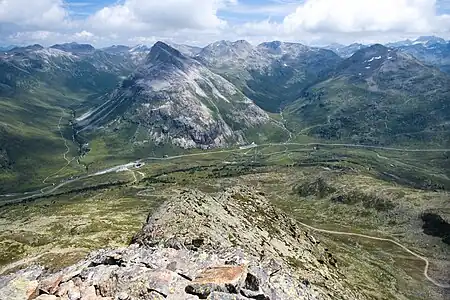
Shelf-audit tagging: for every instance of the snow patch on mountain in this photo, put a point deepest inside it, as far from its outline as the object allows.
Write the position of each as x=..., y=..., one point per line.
x=50, y=52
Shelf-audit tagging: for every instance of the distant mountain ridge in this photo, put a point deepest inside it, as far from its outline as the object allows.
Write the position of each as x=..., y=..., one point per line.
x=433, y=51
x=265, y=71
x=136, y=99
x=413, y=99
x=74, y=48
x=344, y=50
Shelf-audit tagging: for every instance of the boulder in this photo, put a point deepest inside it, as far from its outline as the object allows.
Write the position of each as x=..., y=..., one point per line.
x=21, y=285
x=50, y=284
x=228, y=279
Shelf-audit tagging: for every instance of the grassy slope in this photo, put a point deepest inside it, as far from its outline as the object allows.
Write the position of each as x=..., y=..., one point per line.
x=29, y=132
x=338, y=109
x=303, y=181
x=34, y=99
x=31, y=137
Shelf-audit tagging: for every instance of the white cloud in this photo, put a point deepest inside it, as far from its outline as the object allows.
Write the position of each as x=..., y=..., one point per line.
x=51, y=37
x=203, y=21
x=321, y=22
x=84, y=35
x=162, y=15
x=39, y=13
x=272, y=9
x=349, y=16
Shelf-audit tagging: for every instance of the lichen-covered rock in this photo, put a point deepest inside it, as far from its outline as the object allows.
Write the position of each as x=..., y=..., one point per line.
x=228, y=279
x=50, y=284
x=234, y=245
x=22, y=285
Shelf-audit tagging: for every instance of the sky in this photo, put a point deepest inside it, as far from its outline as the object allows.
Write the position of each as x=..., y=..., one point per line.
x=200, y=22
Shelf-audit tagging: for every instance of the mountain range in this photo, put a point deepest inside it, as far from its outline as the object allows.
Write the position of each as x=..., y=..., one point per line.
x=432, y=50
x=128, y=101
x=176, y=99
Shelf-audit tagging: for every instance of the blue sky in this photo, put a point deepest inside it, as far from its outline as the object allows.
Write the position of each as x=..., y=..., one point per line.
x=247, y=9
x=84, y=8
x=105, y=22
x=254, y=9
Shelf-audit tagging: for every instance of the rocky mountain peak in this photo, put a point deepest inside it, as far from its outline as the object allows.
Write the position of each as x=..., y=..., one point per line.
x=74, y=47
x=345, y=51
x=30, y=48
x=226, y=53
x=426, y=41
x=227, y=49
x=117, y=49
x=368, y=60
x=180, y=101
x=186, y=50
x=140, y=48
x=429, y=40
x=242, y=44
x=356, y=45
x=278, y=48
x=271, y=45
x=163, y=53
x=222, y=43
x=372, y=53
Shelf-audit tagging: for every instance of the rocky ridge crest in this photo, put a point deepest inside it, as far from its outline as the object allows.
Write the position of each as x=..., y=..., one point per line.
x=232, y=245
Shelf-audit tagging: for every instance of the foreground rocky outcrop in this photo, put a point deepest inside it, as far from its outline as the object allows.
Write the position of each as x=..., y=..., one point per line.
x=233, y=245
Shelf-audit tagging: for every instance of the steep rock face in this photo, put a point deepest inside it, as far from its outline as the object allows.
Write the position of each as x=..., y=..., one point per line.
x=178, y=100
x=234, y=245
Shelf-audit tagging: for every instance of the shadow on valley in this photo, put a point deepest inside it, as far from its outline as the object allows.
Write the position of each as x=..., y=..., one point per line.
x=435, y=225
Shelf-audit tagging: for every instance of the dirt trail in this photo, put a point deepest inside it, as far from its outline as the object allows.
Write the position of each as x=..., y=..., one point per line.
x=68, y=161
x=427, y=263
x=30, y=259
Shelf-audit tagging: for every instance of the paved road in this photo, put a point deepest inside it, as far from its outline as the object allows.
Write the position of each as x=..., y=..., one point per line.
x=126, y=167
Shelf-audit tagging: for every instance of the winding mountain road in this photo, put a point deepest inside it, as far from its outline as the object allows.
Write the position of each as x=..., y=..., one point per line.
x=427, y=263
